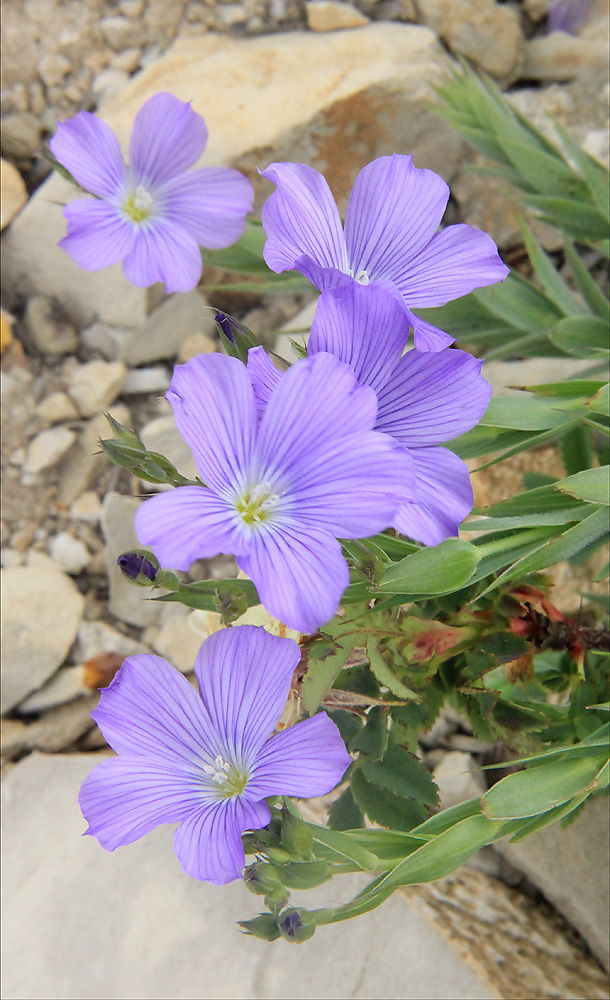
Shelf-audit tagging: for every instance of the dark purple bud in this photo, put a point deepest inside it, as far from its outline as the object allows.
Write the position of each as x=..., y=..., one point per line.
x=568, y=15
x=225, y=325
x=291, y=924
x=134, y=565
x=297, y=926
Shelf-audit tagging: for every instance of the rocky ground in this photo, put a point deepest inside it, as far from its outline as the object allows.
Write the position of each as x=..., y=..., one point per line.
x=76, y=344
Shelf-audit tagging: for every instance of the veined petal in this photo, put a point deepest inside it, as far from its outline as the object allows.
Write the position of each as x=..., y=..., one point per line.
x=263, y=375
x=98, y=234
x=455, y=261
x=300, y=575
x=244, y=677
x=432, y=397
x=88, y=148
x=150, y=710
x=163, y=251
x=301, y=220
x=393, y=212
x=445, y=497
x=363, y=326
x=304, y=760
x=167, y=138
x=317, y=446
x=211, y=204
x=428, y=337
x=188, y=523
x=126, y=797
x=208, y=844
x=214, y=405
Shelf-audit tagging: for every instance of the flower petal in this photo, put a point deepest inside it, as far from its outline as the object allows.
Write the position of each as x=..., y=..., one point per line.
x=164, y=251
x=446, y=498
x=263, y=375
x=455, y=261
x=393, y=212
x=98, y=234
x=214, y=405
x=167, y=138
x=301, y=221
x=149, y=709
x=187, y=523
x=304, y=760
x=208, y=844
x=363, y=326
x=316, y=444
x=428, y=337
x=126, y=797
x=211, y=204
x=244, y=676
x=432, y=397
x=300, y=575
x=88, y=148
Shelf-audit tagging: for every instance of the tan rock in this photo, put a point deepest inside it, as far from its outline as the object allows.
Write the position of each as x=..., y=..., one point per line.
x=560, y=56
x=14, y=194
x=487, y=33
x=330, y=15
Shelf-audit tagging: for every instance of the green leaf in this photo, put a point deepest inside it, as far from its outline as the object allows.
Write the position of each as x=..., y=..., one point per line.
x=523, y=413
x=548, y=275
x=341, y=846
x=582, y=221
x=588, y=287
x=577, y=451
x=344, y=814
x=321, y=674
x=446, y=819
x=601, y=401
x=591, y=484
x=373, y=739
x=402, y=773
x=384, y=674
x=551, y=816
x=574, y=388
x=438, y=570
x=538, y=789
x=581, y=335
x=384, y=807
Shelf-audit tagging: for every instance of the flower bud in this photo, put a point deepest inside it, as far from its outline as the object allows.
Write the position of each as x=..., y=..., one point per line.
x=140, y=567
x=261, y=878
x=296, y=835
x=296, y=926
x=264, y=927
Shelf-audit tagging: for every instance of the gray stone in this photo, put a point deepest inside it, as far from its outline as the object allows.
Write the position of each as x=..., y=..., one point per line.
x=68, y=683
x=127, y=60
x=487, y=33
x=46, y=329
x=97, y=637
x=60, y=727
x=48, y=448
x=197, y=343
x=152, y=919
x=20, y=135
x=129, y=603
x=41, y=610
x=176, y=640
x=118, y=32
x=53, y=68
x=109, y=83
x=95, y=385
x=560, y=56
x=56, y=408
x=106, y=339
x=70, y=553
x=86, y=508
x=570, y=867
x=145, y=380
x=162, y=435
x=458, y=778
x=162, y=334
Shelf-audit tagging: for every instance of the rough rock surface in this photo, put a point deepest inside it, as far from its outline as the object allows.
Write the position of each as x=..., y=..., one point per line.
x=13, y=193
x=41, y=610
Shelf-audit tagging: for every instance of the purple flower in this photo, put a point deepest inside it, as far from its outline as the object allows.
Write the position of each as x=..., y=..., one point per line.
x=568, y=15
x=282, y=490
x=206, y=761
x=424, y=399
x=155, y=214
x=390, y=237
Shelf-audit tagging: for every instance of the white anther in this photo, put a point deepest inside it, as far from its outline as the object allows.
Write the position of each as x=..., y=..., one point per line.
x=142, y=199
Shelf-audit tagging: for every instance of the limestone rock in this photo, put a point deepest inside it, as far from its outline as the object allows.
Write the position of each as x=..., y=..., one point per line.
x=68, y=683
x=95, y=385
x=84, y=463
x=106, y=339
x=129, y=603
x=98, y=638
x=13, y=192
x=197, y=343
x=160, y=337
x=20, y=135
x=162, y=435
x=560, y=56
x=330, y=15
x=86, y=508
x=485, y=32
x=70, y=553
x=118, y=32
x=56, y=408
x=52, y=68
x=41, y=610
x=145, y=380
x=46, y=328
x=176, y=640
x=48, y=448
x=458, y=778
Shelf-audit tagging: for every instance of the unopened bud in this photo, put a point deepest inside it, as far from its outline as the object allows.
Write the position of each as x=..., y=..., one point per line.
x=261, y=878
x=264, y=927
x=296, y=926
x=140, y=567
x=297, y=837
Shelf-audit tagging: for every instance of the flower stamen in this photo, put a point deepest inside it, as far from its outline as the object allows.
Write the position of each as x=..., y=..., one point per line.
x=138, y=204
x=230, y=779
x=257, y=504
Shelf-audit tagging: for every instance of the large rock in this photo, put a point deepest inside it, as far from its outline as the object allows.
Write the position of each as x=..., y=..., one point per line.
x=366, y=95
x=487, y=33
x=41, y=610
x=127, y=602
x=149, y=921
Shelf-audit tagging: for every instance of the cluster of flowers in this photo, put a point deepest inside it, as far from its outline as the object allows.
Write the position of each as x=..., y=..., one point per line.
x=344, y=444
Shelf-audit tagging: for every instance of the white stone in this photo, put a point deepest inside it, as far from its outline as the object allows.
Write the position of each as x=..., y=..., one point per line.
x=77, y=902
x=330, y=15
x=41, y=610
x=118, y=32
x=176, y=640
x=197, y=343
x=126, y=601
x=95, y=385
x=458, y=779
x=87, y=507
x=66, y=684
x=47, y=448
x=13, y=192
x=560, y=56
x=163, y=333
x=127, y=60
x=144, y=380
x=97, y=637
x=109, y=83
x=69, y=552
x=83, y=464
x=487, y=33
x=46, y=328
x=11, y=558
x=56, y=408
x=53, y=68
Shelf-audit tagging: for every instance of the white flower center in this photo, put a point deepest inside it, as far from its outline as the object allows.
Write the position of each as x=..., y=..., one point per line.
x=360, y=276
x=257, y=504
x=138, y=204
x=229, y=779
